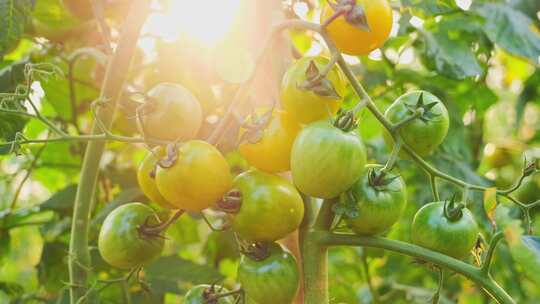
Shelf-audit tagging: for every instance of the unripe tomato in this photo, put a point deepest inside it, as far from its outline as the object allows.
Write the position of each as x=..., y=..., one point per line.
x=326, y=161
x=202, y=294
x=498, y=155
x=197, y=179
x=380, y=201
x=121, y=244
x=271, y=207
x=433, y=230
x=423, y=134
x=529, y=191
x=171, y=113
x=352, y=40
x=305, y=105
x=274, y=279
x=146, y=175
x=272, y=151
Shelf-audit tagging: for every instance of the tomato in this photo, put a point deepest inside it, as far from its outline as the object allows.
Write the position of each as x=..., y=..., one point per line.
x=274, y=279
x=529, y=191
x=497, y=155
x=271, y=207
x=380, y=201
x=351, y=39
x=171, y=113
x=326, y=161
x=423, y=134
x=121, y=244
x=197, y=179
x=432, y=229
x=306, y=105
x=236, y=162
x=270, y=150
x=201, y=294
x=146, y=175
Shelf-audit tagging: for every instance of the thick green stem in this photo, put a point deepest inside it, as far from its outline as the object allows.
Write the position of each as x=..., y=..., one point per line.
x=315, y=266
x=473, y=273
x=117, y=71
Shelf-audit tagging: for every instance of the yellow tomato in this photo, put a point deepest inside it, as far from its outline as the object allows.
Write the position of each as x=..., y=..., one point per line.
x=305, y=105
x=146, y=175
x=197, y=179
x=272, y=152
x=354, y=41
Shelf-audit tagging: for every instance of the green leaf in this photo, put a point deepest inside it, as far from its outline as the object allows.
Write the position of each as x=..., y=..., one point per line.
x=13, y=17
x=61, y=201
x=510, y=29
x=428, y=8
x=166, y=272
x=533, y=243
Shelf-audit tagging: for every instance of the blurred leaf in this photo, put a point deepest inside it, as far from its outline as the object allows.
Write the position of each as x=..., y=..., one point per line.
x=61, y=201
x=510, y=29
x=53, y=267
x=533, y=243
x=13, y=17
x=124, y=197
x=530, y=93
x=428, y=8
x=490, y=204
x=172, y=270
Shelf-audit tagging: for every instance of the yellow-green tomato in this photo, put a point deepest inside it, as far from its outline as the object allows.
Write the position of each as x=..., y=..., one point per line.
x=197, y=179
x=146, y=176
x=306, y=105
x=272, y=280
x=271, y=207
x=380, y=201
x=272, y=151
x=121, y=244
x=171, y=112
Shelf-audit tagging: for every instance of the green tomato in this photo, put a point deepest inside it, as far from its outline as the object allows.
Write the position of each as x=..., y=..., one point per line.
x=201, y=294
x=380, y=201
x=274, y=279
x=326, y=161
x=422, y=135
x=529, y=191
x=120, y=243
x=271, y=207
x=433, y=230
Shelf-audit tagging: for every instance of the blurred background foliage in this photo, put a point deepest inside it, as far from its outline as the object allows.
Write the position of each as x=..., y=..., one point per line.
x=481, y=58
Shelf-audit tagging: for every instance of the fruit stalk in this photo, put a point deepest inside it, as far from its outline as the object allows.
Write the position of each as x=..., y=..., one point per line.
x=79, y=256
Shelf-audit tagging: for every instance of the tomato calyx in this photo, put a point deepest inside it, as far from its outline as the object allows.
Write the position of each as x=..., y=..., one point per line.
x=353, y=13
x=381, y=179
x=231, y=201
x=452, y=211
x=255, y=126
x=422, y=111
x=318, y=83
x=257, y=251
x=149, y=231
x=171, y=156
x=345, y=121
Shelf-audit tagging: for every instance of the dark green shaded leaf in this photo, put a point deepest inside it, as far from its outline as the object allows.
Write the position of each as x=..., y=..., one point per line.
x=428, y=8
x=61, y=201
x=13, y=17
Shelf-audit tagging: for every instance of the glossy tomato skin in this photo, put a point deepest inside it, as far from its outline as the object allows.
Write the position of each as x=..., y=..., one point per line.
x=272, y=280
x=120, y=243
x=304, y=105
x=422, y=136
x=350, y=39
x=432, y=230
x=271, y=207
x=272, y=153
x=197, y=179
x=196, y=295
x=326, y=161
x=146, y=176
x=171, y=113
x=378, y=208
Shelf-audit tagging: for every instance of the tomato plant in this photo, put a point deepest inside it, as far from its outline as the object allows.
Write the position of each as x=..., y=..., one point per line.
x=271, y=278
x=121, y=242
x=203, y=293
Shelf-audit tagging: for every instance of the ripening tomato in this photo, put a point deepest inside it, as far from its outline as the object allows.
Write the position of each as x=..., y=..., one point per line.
x=326, y=161
x=202, y=294
x=271, y=207
x=274, y=279
x=424, y=134
x=270, y=150
x=380, y=199
x=146, y=176
x=171, y=112
x=121, y=244
x=311, y=104
x=353, y=40
x=197, y=179
x=433, y=229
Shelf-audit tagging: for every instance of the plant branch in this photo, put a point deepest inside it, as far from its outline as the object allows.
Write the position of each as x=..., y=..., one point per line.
x=491, y=250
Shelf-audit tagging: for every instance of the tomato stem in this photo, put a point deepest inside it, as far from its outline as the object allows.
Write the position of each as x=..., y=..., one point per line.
x=491, y=250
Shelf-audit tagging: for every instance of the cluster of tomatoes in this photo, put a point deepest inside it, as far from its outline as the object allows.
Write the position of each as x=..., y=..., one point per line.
x=310, y=137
